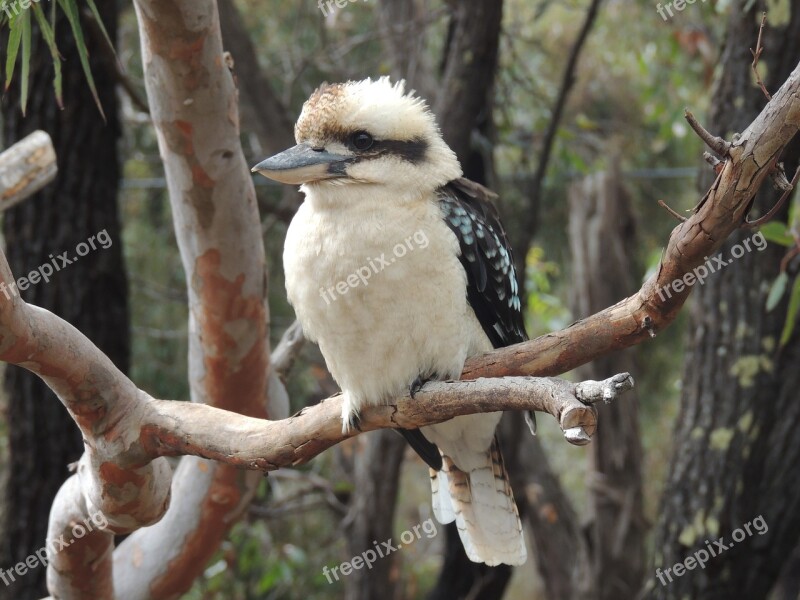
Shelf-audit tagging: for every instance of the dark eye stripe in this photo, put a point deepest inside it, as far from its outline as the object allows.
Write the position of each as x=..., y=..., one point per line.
x=412, y=151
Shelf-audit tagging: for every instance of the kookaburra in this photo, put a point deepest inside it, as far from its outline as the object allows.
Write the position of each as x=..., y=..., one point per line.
x=377, y=178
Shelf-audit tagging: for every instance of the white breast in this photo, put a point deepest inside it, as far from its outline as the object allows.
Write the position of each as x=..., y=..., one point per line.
x=382, y=291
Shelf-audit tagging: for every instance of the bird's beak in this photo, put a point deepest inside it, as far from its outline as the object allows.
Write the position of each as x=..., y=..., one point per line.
x=303, y=164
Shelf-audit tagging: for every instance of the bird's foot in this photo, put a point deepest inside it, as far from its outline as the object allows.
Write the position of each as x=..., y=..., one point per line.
x=417, y=384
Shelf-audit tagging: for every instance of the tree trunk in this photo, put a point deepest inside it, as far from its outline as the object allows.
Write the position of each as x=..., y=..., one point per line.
x=601, y=232
x=736, y=447
x=91, y=293
x=376, y=474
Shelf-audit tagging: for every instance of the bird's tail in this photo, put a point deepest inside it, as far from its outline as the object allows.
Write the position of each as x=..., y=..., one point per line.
x=482, y=505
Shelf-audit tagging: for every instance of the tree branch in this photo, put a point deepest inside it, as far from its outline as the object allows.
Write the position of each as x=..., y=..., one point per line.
x=175, y=429
x=25, y=168
x=656, y=304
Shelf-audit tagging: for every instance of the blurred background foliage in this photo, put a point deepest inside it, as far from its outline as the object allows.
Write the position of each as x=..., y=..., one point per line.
x=635, y=78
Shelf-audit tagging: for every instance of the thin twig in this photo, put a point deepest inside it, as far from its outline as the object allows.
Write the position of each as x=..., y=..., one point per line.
x=774, y=210
x=716, y=143
x=757, y=54
x=567, y=82
x=664, y=205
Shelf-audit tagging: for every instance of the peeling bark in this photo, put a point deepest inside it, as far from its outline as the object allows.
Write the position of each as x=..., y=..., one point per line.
x=25, y=168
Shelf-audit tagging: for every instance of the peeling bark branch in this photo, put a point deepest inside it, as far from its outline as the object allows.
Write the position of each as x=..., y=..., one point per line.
x=633, y=320
x=175, y=429
x=25, y=168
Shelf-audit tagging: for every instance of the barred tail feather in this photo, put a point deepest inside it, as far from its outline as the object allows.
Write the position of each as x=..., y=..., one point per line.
x=442, y=506
x=482, y=503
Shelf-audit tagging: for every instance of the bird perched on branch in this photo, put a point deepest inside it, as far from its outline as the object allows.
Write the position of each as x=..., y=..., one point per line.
x=400, y=270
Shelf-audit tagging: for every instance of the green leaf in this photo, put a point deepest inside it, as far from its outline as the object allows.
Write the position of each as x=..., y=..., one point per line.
x=25, y=76
x=97, y=18
x=50, y=37
x=776, y=232
x=777, y=290
x=14, y=39
x=70, y=9
x=791, y=314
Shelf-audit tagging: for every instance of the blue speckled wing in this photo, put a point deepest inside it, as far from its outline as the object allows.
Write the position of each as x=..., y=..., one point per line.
x=492, y=288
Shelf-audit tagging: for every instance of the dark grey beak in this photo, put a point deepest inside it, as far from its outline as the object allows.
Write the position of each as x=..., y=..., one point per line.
x=303, y=164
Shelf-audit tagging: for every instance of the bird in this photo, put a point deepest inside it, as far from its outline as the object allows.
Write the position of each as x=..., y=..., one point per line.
x=399, y=269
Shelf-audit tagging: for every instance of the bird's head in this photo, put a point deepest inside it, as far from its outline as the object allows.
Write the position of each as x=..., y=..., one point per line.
x=362, y=134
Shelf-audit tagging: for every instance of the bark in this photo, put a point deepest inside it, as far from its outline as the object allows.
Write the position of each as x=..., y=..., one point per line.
x=736, y=448
x=262, y=111
x=560, y=104
x=91, y=293
x=461, y=578
x=601, y=233
x=28, y=166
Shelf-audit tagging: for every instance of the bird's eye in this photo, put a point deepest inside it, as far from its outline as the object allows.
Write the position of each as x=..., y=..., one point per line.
x=362, y=140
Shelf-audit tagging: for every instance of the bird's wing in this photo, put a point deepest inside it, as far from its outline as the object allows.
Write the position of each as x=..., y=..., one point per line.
x=492, y=289
x=473, y=487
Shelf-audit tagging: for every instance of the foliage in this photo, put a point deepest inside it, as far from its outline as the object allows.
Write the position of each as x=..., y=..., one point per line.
x=20, y=24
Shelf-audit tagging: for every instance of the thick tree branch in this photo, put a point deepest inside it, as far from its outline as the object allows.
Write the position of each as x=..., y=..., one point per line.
x=175, y=429
x=656, y=304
